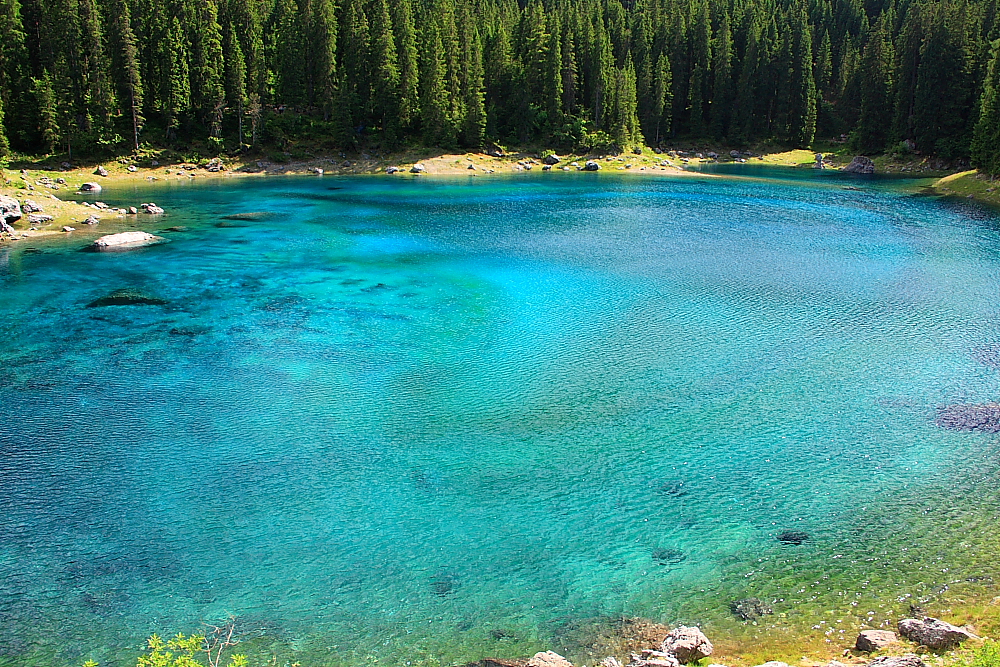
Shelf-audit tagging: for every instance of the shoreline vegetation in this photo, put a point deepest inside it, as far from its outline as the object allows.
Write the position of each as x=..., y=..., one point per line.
x=54, y=187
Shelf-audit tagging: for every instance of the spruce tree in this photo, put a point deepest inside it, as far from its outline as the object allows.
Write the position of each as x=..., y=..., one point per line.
x=986, y=138
x=474, y=122
x=236, y=79
x=872, y=132
x=722, y=76
x=662, y=99
x=433, y=93
x=178, y=94
x=208, y=91
x=409, y=74
x=48, y=111
x=325, y=46
x=701, y=56
x=385, y=70
x=802, y=86
x=125, y=69
x=18, y=123
x=94, y=68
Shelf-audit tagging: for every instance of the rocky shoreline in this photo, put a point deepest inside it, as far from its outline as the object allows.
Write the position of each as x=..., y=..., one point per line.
x=685, y=645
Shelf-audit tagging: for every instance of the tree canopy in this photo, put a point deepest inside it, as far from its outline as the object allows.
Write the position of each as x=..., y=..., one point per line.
x=106, y=76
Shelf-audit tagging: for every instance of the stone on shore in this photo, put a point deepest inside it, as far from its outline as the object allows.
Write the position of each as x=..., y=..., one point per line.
x=651, y=658
x=687, y=644
x=92, y=188
x=774, y=663
x=391, y=170
x=551, y=159
x=126, y=240
x=874, y=640
x=31, y=206
x=101, y=171
x=932, y=633
x=908, y=660
x=417, y=169
x=610, y=661
x=548, y=659
x=10, y=210
x=860, y=165
x=151, y=209
x=67, y=228
x=591, y=166
x=39, y=218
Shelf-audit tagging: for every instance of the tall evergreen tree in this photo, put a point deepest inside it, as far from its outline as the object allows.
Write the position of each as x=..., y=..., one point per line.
x=802, y=86
x=125, y=69
x=986, y=140
x=409, y=74
x=722, y=75
x=701, y=56
x=385, y=70
x=872, y=132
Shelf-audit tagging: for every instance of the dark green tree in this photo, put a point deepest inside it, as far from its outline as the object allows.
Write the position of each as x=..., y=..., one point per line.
x=986, y=139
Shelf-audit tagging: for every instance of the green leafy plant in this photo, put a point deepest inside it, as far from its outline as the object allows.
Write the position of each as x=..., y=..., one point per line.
x=198, y=650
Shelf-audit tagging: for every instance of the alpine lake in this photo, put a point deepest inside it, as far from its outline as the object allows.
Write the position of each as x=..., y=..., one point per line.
x=425, y=420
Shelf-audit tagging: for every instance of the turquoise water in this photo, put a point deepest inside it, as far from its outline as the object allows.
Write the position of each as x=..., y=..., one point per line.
x=422, y=421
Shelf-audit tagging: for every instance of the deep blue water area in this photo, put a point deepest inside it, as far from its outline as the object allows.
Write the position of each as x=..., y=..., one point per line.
x=426, y=420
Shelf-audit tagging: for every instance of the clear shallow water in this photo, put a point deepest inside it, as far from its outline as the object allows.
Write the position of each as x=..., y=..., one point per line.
x=400, y=415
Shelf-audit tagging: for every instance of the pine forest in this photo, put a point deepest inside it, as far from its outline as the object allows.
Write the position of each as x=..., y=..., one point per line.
x=104, y=77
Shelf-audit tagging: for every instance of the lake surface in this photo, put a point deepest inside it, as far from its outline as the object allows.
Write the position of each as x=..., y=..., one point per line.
x=422, y=421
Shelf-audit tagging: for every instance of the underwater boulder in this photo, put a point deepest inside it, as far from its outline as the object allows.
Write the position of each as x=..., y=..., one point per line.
x=792, y=537
x=251, y=216
x=128, y=296
x=984, y=417
x=908, y=660
x=749, y=609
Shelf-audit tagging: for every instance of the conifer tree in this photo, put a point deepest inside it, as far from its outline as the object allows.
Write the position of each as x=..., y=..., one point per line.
x=385, y=70
x=802, y=87
x=4, y=144
x=722, y=92
x=569, y=72
x=433, y=93
x=48, y=111
x=14, y=94
x=409, y=75
x=207, y=68
x=986, y=139
x=325, y=46
x=701, y=55
x=236, y=79
x=662, y=98
x=355, y=82
x=872, y=132
x=474, y=122
x=94, y=67
x=125, y=68
x=178, y=93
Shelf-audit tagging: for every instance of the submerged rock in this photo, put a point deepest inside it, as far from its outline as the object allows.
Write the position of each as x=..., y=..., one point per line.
x=749, y=609
x=251, y=215
x=793, y=537
x=668, y=556
x=984, y=417
x=873, y=640
x=443, y=584
x=687, y=644
x=932, y=633
x=651, y=658
x=126, y=240
x=128, y=296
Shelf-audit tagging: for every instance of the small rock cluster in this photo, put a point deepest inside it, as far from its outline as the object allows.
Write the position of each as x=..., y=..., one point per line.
x=687, y=645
